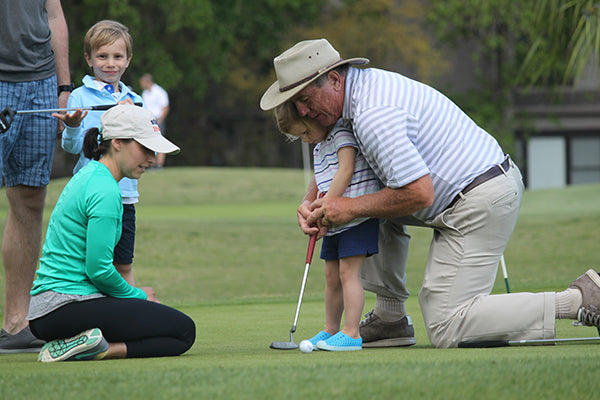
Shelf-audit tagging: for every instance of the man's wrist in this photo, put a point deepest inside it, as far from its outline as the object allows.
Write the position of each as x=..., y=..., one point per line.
x=66, y=88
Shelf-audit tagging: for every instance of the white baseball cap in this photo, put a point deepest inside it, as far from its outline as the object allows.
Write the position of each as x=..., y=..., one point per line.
x=127, y=121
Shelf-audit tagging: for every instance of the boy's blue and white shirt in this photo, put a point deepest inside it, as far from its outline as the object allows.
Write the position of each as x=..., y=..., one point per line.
x=326, y=163
x=93, y=94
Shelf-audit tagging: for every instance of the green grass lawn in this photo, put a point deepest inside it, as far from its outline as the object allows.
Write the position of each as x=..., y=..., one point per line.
x=223, y=246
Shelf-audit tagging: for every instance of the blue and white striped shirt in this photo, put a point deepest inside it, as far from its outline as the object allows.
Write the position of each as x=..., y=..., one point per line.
x=407, y=130
x=326, y=163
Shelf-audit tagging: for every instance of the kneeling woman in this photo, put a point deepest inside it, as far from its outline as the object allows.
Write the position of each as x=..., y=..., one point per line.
x=80, y=304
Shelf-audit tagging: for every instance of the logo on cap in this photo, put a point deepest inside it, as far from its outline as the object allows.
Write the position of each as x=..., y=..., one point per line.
x=154, y=123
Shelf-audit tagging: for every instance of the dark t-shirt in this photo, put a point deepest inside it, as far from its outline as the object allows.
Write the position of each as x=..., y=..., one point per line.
x=25, y=51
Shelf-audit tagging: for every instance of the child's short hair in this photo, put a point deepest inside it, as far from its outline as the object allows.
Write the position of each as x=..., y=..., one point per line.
x=286, y=115
x=106, y=32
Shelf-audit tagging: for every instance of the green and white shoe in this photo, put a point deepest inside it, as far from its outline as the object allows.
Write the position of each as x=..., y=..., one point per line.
x=88, y=345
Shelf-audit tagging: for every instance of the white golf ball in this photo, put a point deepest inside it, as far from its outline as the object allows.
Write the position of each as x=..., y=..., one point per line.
x=306, y=346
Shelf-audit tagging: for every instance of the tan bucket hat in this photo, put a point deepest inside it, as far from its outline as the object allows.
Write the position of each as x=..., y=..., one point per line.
x=300, y=65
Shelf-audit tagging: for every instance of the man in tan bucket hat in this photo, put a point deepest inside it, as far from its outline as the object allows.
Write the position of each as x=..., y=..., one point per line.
x=439, y=170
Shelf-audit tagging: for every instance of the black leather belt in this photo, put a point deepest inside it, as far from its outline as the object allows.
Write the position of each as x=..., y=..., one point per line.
x=486, y=176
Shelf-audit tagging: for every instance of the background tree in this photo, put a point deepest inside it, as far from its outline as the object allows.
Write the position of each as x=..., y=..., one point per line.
x=215, y=58
x=517, y=45
x=565, y=38
x=498, y=33
x=392, y=34
x=189, y=45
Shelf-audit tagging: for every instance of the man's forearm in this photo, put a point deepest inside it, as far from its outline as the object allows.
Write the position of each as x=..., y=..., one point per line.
x=390, y=203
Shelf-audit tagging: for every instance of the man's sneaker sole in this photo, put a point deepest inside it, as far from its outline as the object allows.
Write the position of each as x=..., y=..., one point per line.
x=593, y=275
x=87, y=345
x=589, y=286
x=23, y=350
x=393, y=342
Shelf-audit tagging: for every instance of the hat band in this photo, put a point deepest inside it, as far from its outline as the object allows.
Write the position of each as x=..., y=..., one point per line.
x=308, y=78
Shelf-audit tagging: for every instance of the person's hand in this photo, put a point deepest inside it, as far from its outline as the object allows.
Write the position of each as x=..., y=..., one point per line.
x=72, y=120
x=150, y=293
x=303, y=212
x=329, y=211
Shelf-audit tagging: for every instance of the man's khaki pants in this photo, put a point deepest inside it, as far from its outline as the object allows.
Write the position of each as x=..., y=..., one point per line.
x=468, y=240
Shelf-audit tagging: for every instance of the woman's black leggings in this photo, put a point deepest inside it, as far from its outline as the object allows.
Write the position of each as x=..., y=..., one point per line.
x=148, y=329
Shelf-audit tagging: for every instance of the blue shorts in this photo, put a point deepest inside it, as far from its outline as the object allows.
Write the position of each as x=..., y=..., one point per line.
x=358, y=240
x=27, y=148
x=124, y=249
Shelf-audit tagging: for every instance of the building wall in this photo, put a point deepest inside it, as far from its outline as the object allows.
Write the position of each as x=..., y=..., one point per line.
x=559, y=135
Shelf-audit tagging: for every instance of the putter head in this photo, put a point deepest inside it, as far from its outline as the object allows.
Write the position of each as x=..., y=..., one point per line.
x=6, y=117
x=284, y=345
x=291, y=345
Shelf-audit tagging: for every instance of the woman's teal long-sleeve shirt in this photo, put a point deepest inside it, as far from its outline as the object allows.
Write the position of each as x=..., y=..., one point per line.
x=85, y=226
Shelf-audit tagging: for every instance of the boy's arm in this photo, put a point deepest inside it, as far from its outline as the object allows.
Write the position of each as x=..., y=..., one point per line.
x=72, y=137
x=343, y=176
x=72, y=140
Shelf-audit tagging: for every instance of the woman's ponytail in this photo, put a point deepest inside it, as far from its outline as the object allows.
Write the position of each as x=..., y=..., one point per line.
x=93, y=146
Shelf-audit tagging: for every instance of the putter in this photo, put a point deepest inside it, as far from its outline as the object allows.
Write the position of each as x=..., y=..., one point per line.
x=7, y=115
x=291, y=344
x=532, y=342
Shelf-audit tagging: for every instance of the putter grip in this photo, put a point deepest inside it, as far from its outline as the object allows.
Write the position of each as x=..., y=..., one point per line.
x=6, y=117
x=312, y=241
x=311, y=248
x=471, y=344
x=104, y=107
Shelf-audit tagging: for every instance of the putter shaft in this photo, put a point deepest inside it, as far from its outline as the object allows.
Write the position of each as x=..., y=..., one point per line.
x=309, y=253
x=525, y=342
x=291, y=344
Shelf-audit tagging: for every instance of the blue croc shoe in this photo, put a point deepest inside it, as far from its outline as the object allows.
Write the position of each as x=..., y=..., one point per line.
x=340, y=342
x=318, y=337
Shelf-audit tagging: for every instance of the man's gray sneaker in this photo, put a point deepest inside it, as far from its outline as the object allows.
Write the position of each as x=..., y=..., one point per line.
x=21, y=342
x=378, y=333
x=589, y=285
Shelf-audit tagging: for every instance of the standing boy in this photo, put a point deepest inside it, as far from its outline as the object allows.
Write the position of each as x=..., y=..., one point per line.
x=108, y=48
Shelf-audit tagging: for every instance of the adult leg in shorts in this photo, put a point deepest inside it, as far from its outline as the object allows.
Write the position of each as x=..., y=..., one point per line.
x=26, y=155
